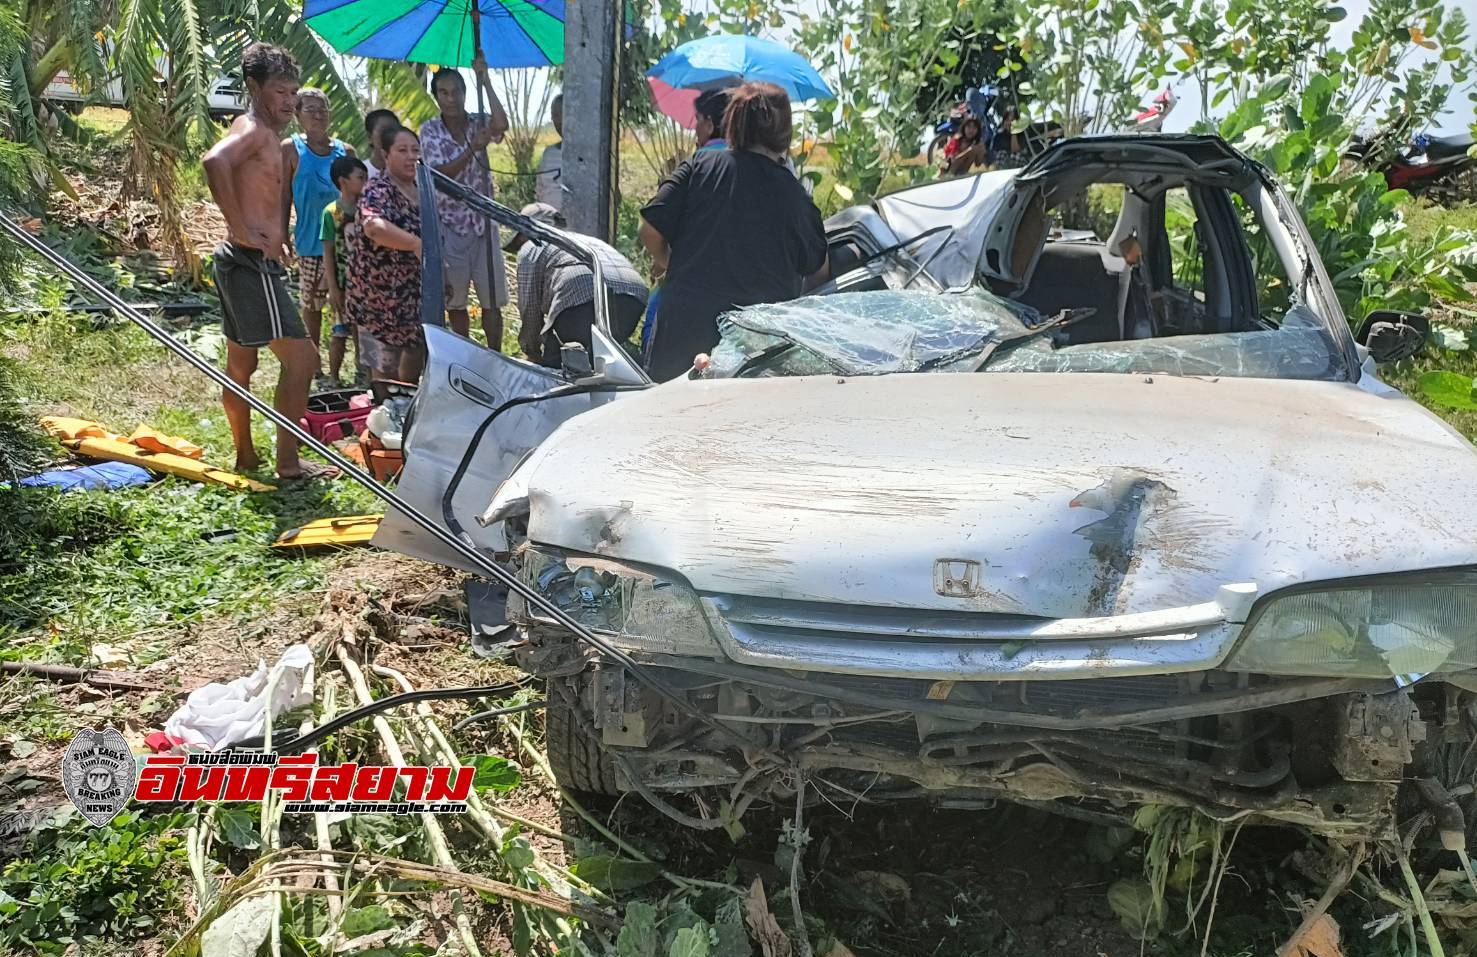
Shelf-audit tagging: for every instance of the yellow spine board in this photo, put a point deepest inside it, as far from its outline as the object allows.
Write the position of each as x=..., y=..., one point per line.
x=117, y=450
x=65, y=429
x=326, y=532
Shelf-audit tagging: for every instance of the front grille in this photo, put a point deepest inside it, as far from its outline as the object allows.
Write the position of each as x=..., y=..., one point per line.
x=1062, y=698
x=928, y=644
x=880, y=623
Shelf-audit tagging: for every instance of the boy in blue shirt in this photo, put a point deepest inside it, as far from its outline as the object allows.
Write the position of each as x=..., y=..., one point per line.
x=306, y=187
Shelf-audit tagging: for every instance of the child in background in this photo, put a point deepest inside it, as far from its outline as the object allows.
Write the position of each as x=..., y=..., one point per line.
x=340, y=221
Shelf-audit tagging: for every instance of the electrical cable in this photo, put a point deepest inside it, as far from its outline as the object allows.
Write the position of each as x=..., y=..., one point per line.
x=498, y=713
x=490, y=568
x=510, y=172
x=299, y=743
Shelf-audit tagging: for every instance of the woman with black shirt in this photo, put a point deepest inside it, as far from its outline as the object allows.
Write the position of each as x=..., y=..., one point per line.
x=729, y=228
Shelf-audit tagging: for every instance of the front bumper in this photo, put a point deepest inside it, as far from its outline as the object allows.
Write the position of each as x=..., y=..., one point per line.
x=1089, y=716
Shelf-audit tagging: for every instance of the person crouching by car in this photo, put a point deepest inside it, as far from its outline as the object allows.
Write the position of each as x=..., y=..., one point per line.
x=556, y=292
x=730, y=228
x=383, y=297
x=965, y=149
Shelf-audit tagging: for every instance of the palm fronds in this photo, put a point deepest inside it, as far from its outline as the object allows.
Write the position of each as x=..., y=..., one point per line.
x=402, y=87
x=281, y=24
x=191, y=70
x=157, y=140
x=17, y=112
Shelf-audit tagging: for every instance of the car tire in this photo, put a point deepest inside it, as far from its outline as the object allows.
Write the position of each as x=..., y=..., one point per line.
x=578, y=759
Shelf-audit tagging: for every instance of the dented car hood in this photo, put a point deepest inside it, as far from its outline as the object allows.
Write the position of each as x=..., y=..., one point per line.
x=1078, y=495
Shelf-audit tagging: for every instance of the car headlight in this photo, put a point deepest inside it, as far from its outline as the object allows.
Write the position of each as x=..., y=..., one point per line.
x=1371, y=629
x=640, y=608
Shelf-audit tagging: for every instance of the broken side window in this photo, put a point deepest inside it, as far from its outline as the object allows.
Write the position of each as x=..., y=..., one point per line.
x=1186, y=248
x=1274, y=290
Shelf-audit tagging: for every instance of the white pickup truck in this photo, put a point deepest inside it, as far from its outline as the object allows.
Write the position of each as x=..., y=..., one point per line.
x=227, y=97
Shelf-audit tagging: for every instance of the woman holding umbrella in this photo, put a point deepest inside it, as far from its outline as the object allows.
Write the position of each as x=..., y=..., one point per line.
x=729, y=228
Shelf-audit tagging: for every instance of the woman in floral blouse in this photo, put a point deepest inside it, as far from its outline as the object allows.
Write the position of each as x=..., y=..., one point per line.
x=383, y=296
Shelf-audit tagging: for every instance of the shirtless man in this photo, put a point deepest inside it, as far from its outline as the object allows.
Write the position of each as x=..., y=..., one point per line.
x=245, y=174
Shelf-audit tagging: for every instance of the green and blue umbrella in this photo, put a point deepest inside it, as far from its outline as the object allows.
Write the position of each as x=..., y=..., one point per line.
x=513, y=33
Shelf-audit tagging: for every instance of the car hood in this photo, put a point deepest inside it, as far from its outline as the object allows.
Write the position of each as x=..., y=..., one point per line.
x=1077, y=495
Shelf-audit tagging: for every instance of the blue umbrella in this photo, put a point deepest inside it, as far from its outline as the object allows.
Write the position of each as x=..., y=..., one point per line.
x=712, y=62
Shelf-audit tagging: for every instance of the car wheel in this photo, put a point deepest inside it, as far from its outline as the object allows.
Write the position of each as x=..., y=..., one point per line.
x=1457, y=188
x=577, y=757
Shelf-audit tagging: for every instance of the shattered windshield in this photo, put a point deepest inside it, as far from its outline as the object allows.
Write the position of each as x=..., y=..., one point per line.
x=1300, y=348
x=879, y=332
x=867, y=333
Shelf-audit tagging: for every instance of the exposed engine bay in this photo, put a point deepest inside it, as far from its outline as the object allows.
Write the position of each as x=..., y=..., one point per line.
x=1341, y=756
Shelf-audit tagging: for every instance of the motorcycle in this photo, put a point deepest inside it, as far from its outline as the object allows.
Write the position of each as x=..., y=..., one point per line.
x=979, y=103
x=1439, y=167
x=1007, y=145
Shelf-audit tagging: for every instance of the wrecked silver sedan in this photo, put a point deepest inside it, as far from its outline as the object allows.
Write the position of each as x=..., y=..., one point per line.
x=1080, y=518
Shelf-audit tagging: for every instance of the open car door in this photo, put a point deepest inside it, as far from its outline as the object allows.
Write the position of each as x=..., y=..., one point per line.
x=463, y=384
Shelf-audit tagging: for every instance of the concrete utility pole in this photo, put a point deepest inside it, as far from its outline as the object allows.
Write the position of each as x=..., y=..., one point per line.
x=593, y=38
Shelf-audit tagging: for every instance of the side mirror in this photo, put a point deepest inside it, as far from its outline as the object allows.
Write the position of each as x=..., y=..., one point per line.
x=1391, y=336
x=575, y=362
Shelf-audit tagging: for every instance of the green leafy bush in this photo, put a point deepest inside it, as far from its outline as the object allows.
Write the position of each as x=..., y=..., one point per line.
x=82, y=884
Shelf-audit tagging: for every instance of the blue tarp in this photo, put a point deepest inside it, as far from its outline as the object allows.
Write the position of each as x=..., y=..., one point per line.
x=104, y=475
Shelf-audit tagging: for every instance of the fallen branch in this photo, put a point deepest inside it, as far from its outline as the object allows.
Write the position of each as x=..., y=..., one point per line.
x=1214, y=887
x=320, y=819
x=66, y=674
x=436, y=837
x=293, y=863
x=439, y=747
x=802, y=941
x=276, y=873
x=411, y=870
x=1428, y=926
x=1334, y=889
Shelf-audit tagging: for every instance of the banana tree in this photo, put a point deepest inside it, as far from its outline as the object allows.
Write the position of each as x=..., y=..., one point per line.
x=165, y=55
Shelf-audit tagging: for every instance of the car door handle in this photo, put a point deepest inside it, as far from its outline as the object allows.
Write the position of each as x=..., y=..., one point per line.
x=473, y=386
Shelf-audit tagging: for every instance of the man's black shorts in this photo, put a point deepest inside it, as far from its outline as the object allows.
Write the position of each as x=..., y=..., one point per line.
x=254, y=299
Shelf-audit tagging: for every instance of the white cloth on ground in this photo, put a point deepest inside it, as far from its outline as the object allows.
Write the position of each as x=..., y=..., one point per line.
x=218, y=714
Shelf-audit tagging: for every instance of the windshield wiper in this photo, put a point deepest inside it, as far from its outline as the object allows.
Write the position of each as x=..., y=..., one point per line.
x=1061, y=320
x=763, y=355
x=957, y=354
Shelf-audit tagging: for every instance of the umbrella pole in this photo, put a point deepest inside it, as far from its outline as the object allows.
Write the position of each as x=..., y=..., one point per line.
x=489, y=232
